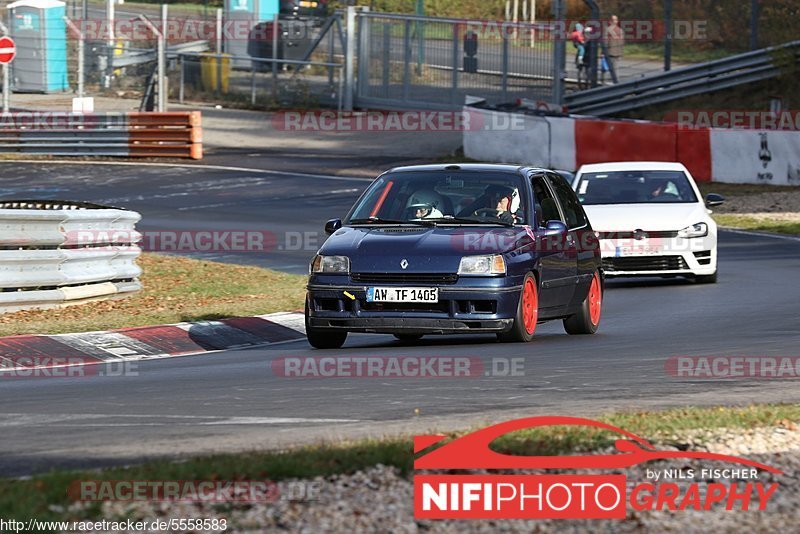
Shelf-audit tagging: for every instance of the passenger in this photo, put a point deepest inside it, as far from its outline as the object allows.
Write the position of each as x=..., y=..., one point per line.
x=425, y=204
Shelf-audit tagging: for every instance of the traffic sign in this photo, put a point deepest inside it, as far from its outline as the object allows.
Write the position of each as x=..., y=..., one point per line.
x=7, y=50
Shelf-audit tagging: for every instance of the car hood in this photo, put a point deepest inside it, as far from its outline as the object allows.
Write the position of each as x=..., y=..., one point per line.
x=427, y=250
x=648, y=217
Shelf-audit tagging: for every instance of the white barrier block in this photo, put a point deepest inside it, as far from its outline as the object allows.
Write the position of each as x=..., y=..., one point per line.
x=755, y=157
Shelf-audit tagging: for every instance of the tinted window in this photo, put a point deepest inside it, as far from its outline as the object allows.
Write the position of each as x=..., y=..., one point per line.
x=635, y=187
x=546, y=206
x=569, y=202
x=443, y=196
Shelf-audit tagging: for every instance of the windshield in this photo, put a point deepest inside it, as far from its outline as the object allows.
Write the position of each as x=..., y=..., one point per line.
x=442, y=197
x=635, y=187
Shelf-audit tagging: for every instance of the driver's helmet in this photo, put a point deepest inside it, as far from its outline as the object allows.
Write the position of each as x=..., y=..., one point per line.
x=496, y=192
x=425, y=204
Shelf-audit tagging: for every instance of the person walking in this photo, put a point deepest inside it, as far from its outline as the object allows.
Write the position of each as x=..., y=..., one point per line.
x=615, y=42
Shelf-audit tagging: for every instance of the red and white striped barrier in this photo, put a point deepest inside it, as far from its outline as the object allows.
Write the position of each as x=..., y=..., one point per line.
x=710, y=154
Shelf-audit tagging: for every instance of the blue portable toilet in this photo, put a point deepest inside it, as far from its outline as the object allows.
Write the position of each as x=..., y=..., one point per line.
x=40, y=35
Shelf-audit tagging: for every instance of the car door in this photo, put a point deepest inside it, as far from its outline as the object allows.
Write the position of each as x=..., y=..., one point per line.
x=582, y=243
x=558, y=261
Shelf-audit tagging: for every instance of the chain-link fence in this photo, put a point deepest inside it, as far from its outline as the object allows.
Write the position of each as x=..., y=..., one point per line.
x=411, y=61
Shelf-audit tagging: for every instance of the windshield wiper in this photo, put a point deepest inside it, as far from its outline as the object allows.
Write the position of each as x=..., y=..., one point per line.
x=378, y=220
x=467, y=220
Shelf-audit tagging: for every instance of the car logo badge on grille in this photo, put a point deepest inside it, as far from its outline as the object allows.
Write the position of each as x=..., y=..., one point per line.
x=639, y=234
x=404, y=263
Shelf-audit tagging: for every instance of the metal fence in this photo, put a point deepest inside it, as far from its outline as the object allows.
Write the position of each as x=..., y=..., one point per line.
x=256, y=82
x=423, y=62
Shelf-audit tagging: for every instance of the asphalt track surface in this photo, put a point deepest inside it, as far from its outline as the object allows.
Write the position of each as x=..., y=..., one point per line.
x=232, y=400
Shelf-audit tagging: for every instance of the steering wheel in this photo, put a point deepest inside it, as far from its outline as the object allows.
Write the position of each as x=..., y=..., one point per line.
x=486, y=212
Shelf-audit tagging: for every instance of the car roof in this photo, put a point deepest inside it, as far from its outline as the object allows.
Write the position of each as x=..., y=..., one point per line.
x=633, y=166
x=469, y=167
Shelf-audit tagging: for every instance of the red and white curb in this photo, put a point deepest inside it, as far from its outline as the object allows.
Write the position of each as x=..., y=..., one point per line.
x=28, y=352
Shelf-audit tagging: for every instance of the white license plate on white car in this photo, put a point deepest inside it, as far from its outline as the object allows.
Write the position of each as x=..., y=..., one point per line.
x=644, y=250
x=403, y=294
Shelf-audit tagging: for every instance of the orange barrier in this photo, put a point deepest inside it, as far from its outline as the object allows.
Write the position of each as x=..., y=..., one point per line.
x=176, y=134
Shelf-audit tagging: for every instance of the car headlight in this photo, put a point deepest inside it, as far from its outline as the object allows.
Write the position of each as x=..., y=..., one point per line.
x=695, y=230
x=330, y=265
x=489, y=264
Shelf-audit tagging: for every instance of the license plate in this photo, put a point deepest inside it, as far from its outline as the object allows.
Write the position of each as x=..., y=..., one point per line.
x=403, y=294
x=637, y=251
x=308, y=4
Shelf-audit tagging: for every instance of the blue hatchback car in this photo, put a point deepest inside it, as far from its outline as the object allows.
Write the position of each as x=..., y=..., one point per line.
x=454, y=249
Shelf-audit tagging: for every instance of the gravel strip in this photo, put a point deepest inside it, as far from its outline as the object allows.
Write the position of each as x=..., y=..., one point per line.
x=768, y=202
x=380, y=499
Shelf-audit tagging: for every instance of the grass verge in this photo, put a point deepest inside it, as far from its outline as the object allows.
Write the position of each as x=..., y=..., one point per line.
x=45, y=496
x=744, y=222
x=176, y=289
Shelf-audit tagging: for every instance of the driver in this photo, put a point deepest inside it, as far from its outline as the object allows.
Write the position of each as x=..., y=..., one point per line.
x=502, y=200
x=425, y=204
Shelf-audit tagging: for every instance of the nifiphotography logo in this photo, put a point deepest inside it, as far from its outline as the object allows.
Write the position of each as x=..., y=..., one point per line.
x=570, y=496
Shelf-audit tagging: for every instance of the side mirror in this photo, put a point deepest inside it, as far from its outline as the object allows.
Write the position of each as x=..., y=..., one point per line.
x=714, y=200
x=332, y=225
x=555, y=227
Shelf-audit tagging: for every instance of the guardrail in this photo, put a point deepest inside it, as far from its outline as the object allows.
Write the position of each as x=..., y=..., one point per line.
x=55, y=253
x=133, y=134
x=687, y=81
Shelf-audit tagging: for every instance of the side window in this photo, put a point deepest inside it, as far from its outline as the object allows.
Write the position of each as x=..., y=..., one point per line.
x=546, y=206
x=569, y=202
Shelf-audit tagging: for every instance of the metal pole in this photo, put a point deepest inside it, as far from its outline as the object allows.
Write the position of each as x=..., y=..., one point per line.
x=81, y=57
x=110, y=42
x=218, y=49
x=668, y=35
x=454, y=80
x=162, y=60
x=753, y=24
x=275, y=30
x=504, y=81
x=252, y=83
x=6, y=89
x=6, y=78
x=559, y=57
x=182, y=61
x=349, y=58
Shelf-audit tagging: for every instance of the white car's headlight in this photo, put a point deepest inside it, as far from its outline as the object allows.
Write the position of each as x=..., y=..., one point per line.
x=695, y=230
x=489, y=264
x=330, y=265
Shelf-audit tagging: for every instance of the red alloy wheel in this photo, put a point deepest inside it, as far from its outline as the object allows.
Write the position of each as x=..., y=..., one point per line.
x=530, y=305
x=595, y=300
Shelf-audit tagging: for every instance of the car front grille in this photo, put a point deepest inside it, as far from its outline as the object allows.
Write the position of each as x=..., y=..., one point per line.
x=404, y=278
x=645, y=263
x=655, y=234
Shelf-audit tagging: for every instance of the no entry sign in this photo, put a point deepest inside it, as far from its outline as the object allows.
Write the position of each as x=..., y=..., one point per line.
x=7, y=50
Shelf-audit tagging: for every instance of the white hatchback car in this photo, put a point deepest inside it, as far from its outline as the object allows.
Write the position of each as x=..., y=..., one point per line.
x=651, y=219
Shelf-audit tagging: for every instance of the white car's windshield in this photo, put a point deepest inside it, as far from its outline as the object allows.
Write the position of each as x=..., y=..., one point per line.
x=635, y=187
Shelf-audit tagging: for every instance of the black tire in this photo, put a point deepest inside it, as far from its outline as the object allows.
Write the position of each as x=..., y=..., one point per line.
x=408, y=337
x=519, y=332
x=587, y=320
x=707, y=278
x=322, y=338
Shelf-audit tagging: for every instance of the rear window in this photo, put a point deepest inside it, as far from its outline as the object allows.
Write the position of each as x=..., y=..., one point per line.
x=635, y=187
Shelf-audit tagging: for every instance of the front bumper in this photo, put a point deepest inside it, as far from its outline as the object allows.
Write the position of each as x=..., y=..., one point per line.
x=477, y=305
x=695, y=257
